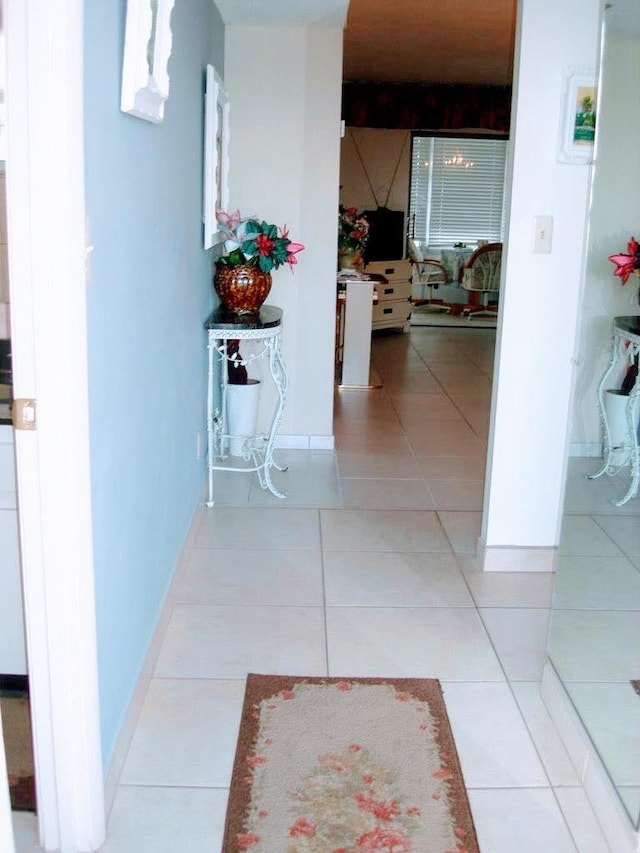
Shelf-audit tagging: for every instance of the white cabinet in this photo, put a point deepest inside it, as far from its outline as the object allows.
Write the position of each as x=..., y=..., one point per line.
x=393, y=307
x=356, y=334
x=13, y=658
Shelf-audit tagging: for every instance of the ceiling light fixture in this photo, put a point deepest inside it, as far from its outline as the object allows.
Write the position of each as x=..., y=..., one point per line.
x=458, y=161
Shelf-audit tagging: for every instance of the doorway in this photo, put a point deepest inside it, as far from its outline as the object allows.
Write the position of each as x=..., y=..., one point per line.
x=435, y=376
x=45, y=205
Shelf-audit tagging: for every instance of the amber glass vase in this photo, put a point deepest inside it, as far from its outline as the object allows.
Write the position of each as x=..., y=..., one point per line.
x=350, y=259
x=241, y=289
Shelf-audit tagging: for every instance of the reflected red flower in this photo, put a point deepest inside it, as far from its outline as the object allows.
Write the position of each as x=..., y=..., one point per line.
x=625, y=265
x=627, y=262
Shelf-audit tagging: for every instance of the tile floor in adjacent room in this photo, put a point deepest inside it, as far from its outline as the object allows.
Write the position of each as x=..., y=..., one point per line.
x=367, y=568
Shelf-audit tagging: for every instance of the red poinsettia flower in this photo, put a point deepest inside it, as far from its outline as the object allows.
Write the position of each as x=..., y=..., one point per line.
x=625, y=265
x=253, y=242
x=264, y=244
x=292, y=250
x=627, y=262
x=632, y=247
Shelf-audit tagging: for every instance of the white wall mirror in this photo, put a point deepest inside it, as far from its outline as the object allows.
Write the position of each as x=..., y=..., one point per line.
x=594, y=634
x=216, y=154
x=147, y=48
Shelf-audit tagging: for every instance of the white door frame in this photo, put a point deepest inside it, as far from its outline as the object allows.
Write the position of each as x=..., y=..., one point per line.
x=45, y=209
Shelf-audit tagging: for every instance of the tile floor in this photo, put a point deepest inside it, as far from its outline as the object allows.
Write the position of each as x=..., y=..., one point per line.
x=367, y=568
x=594, y=636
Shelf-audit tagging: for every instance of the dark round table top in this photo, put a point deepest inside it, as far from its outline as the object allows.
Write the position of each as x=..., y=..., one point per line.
x=630, y=324
x=268, y=317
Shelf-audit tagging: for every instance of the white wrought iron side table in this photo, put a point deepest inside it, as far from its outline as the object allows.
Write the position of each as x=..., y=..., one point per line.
x=625, y=346
x=265, y=327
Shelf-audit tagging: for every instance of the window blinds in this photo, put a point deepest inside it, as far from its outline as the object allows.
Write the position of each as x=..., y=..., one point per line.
x=457, y=189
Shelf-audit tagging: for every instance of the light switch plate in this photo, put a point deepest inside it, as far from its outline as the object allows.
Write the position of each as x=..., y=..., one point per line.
x=542, y=234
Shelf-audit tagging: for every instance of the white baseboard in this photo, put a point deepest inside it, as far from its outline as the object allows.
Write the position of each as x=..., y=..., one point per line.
x=588, y=448
x=513, y=559
x=598, y=788
x=305, y=442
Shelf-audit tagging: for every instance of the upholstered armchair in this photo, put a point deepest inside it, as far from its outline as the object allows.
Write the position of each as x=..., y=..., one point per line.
x=481, y=277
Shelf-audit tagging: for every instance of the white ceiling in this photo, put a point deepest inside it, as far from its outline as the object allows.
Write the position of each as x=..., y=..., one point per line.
x=432, y=41
x=299, y=13
x=428, y=41
x=450, y=41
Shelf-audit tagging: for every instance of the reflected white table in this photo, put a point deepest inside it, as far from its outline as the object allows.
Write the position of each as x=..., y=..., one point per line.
x=625, y=346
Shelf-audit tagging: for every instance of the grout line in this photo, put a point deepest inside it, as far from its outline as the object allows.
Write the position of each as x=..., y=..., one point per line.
x=324, y=596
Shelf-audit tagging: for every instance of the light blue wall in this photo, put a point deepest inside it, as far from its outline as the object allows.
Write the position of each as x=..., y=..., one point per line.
x=148, y=297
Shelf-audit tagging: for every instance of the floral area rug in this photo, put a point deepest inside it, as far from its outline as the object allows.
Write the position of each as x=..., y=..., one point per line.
x=353, y=765
x=16, y=728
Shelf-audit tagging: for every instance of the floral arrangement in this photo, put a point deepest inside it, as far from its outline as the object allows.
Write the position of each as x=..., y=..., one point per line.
x=254, y=242
x=627, y=263
x=353, y=229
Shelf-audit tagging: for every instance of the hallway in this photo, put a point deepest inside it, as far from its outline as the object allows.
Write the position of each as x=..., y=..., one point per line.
x=367, y=568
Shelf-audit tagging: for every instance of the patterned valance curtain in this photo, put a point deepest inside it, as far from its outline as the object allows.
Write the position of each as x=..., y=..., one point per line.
x=415, y=106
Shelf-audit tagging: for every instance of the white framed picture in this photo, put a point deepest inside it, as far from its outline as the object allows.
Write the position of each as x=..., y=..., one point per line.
x=147, y=48
x=578, y=126
x=216, y=154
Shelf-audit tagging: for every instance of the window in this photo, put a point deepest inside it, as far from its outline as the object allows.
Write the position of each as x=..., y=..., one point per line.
x=457, y=189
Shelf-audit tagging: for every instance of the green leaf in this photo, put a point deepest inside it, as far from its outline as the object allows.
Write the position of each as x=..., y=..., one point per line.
x=252, y=228
x=249, y=247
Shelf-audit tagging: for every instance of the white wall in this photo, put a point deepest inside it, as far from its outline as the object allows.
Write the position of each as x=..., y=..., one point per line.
x=149, y=296
x=614, y=217
x=541, y=294
x=284, y=86
x=374, y=168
